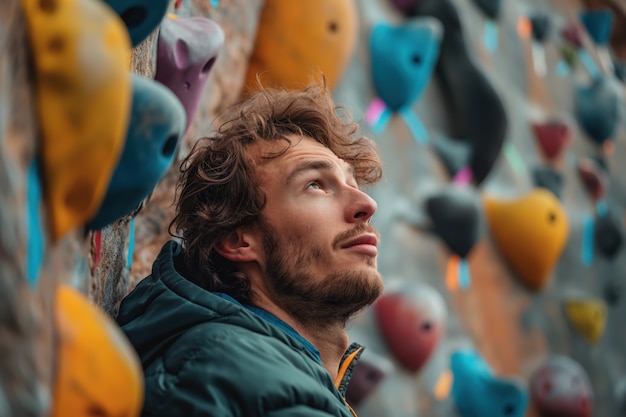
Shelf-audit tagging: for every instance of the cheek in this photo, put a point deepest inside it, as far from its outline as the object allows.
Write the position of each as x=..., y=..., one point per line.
x=301, y=223
x=299, y=229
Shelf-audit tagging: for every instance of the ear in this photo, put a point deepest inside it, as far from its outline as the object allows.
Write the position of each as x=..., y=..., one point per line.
x=237, y=246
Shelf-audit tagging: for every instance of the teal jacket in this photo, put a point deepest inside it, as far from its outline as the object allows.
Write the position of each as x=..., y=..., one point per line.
x=204, y=354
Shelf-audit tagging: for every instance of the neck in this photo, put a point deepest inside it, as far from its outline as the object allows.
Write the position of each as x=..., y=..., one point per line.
x=331, y=340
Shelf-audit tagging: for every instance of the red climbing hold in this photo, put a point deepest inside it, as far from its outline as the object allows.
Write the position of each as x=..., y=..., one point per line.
x=411, y=320
x=553, y=137
x=594, y=178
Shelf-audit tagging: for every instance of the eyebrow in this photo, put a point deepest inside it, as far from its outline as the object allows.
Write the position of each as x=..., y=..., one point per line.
x=316, y=165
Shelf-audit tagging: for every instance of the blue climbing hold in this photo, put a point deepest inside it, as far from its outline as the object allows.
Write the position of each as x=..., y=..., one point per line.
x=597, y=109
x=141, y=17
x=403, y=59
x=491, y=8
x=477, y=392
x=156, y=126
x=599, y=24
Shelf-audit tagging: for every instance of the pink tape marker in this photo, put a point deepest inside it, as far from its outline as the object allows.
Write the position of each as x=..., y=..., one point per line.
x=463, y=177
x=374, y=111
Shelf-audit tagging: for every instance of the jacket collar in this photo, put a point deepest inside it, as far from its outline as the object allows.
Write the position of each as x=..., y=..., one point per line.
x=346, y=367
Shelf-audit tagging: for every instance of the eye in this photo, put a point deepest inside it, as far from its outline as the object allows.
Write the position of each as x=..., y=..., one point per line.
x=315, y=185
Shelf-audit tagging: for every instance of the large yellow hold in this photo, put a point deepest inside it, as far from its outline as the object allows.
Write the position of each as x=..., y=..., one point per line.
x=81, y=54
x=588, y=317
x=530, y=233
x=98, y=373
x=296, y=40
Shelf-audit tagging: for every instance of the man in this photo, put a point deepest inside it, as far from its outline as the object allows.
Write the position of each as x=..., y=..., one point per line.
x=247, y=316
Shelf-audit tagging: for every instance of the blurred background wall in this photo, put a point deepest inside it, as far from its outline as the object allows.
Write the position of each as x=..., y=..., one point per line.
x=513, y=328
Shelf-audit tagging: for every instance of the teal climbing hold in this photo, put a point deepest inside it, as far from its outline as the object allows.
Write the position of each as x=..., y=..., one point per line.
x=598, y=24
x=156, y=126
x=403, y=58
x=141, y=17
x=478, y=392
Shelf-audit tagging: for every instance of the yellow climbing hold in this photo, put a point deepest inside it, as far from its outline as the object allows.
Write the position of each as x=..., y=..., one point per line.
x=588, y=316
x=80, y=50
x=298, y=39
x=98, y=372
x=530, y=233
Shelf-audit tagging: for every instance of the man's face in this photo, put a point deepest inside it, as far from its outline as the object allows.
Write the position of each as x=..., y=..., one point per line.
x=320, y=250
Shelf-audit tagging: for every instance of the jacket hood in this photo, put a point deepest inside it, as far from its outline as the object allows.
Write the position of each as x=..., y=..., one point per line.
x=165, y=304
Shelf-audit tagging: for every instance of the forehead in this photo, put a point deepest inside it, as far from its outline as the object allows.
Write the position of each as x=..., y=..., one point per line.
x=301, y=149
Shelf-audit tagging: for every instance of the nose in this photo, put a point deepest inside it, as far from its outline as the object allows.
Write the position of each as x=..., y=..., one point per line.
x=361, y=207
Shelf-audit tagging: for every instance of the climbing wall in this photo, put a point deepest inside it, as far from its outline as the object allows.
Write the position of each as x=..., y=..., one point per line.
x=501, y=129
x=221, y=85
x=495, y=316
x=89, y=91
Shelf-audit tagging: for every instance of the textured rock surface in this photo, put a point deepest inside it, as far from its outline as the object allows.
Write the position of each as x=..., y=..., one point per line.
x=110, y=279
x=238, y=19
x=26, y=343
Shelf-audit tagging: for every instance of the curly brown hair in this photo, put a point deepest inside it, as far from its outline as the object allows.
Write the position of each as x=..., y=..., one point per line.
x=217, y=190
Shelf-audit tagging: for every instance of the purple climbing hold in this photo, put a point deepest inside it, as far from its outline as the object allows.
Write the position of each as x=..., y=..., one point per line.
x=405, y=6
x=365, y=379
x=187, y=49
x=572, y=34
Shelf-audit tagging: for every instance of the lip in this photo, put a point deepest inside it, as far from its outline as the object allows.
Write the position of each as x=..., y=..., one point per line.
x=365, y=243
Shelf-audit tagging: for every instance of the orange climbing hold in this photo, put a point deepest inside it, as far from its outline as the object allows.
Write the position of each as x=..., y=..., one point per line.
x=98, y=372
x=530, y=233
x=588, y=316
x=298, y=39
x=80, y=50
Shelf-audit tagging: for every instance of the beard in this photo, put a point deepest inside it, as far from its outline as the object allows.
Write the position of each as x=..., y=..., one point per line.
x=334, y=299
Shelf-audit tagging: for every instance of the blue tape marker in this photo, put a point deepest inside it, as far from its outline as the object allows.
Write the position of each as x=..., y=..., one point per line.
x=490, y=36
x=587, y=243
x=464, y=275
x=589, y=63
x=415, y=126
x=131, y=244
x=35, y=244
x=602, y=208
x=215, y=3
x=562, y=69
x=382, y=121
x=515, y=159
